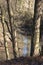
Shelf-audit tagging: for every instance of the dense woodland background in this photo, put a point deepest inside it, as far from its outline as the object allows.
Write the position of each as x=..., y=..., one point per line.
x=21, y=28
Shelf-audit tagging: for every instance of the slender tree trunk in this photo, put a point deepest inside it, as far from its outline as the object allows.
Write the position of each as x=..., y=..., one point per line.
x=16, y=45
x=5, y=43
x=36, y=28
x=11, y=27
x=15, y=36
x=37, y=37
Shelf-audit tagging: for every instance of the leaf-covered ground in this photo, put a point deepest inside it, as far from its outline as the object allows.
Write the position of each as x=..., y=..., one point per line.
x=24, y=61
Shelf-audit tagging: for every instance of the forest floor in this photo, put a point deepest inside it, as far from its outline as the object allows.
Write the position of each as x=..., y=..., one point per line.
x=24, y=61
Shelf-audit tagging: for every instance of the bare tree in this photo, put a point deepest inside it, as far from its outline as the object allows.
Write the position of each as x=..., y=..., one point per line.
x=12, y=29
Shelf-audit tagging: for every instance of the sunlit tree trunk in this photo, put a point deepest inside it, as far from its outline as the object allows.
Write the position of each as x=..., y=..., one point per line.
x=36, y=28
x=15, y=36
x=16, y=45
x=37, y=37
x=5, y=43
x=13, y=33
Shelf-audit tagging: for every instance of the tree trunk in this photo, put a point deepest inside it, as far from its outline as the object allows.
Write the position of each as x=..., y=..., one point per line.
x=37, y=37
x=11, y=28
x=5, y=43
x=16, y=46
x=36, y=28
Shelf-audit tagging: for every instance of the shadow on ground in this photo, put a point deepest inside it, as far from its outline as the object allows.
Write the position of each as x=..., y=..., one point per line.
x=24, y=61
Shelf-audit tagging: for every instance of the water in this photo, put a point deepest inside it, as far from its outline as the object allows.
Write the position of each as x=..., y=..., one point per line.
x=25, y=40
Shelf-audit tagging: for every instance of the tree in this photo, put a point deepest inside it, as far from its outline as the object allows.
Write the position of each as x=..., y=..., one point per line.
x=35, y=44
x=11, y=29
x=5, y=42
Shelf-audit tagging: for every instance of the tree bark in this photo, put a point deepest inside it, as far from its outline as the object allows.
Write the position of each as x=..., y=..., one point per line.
x=5, y=43
x=16, y=45
x=36, y=28
x=12, y=29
